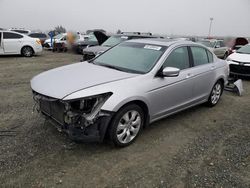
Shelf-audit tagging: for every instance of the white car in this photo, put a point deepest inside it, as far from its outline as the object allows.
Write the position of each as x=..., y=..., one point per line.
x=58, y=38
x=17, y=43
x=239, y=61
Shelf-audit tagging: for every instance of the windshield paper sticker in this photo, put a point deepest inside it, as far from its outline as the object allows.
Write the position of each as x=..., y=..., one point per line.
x=151, y=47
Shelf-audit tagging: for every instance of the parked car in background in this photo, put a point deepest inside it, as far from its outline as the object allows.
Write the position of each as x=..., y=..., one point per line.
x=60, y=37
x=217, y=46
x=91, y=52
x=129, y=86
x=94, y=39
x=41, y=36
x=239, y=62
x=236, y=44
x=17, y=43
x=21, y=30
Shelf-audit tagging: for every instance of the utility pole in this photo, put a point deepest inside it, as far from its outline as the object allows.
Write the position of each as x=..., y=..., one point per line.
x=210, y=27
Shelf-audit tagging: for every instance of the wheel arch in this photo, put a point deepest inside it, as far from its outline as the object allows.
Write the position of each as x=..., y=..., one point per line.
x=26, y=45
x=138, y=102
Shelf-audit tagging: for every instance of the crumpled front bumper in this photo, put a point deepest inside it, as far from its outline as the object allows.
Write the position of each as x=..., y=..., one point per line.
x=75, y=125
x=93, y=133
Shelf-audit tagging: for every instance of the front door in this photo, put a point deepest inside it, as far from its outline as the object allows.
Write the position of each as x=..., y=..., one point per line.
x=171, y=94
x=12, y=42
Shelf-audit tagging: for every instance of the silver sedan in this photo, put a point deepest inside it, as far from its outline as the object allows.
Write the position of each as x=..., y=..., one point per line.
x=128, y=87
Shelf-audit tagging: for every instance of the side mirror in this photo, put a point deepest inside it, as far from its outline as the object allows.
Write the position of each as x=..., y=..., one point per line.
x=170, y=72
x=217, y=46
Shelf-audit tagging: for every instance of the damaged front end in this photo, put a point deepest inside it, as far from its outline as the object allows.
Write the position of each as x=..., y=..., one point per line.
x=82, y=119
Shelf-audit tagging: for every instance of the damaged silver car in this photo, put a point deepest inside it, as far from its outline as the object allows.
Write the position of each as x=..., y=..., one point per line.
x=128, y=87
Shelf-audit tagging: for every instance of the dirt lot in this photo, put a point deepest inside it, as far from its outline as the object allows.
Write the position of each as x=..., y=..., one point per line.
x=200, y=147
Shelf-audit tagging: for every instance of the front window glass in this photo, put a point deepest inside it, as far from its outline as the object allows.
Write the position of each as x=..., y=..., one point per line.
x=244, y=50
x=112, y=41
x=131, y=57
x=179, y=58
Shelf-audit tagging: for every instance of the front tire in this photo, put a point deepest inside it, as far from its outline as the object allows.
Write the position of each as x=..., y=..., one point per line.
x=215, y=94
x=126, y=125
x=27, y=51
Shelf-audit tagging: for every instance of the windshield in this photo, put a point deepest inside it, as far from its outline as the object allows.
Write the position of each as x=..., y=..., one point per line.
x=114, y=40
x=244, y=50
x=207, y=44
x=131, y=57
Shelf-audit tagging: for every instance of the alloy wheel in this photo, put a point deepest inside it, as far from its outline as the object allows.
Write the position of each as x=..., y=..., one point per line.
x=216, y=93
x=128, y=126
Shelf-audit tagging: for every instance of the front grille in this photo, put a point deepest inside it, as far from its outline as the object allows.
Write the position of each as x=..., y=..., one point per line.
x=88, y=56
x=51, y=107
x=240, y=69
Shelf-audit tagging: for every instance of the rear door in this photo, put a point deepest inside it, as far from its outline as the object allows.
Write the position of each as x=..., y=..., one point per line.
x=12, y=42
x=1, y=43
x=203, y=72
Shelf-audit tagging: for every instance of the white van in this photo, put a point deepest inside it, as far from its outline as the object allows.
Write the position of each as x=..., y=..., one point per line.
x=17, y=43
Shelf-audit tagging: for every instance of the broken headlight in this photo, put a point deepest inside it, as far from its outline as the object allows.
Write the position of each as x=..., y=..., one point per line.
x=87, y=108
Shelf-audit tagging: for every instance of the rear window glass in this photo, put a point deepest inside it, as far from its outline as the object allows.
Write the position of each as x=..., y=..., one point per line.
x=210, y=57
x=38, y=35
x=199, y=55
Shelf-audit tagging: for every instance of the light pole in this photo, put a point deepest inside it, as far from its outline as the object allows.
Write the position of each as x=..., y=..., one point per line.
x=210, y=27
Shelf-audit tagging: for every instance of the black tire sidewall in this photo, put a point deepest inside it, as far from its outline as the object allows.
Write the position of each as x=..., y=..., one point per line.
x=116, y=119
x=27, y=47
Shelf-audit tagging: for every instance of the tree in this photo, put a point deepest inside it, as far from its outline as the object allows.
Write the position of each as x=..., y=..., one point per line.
x=60, y=29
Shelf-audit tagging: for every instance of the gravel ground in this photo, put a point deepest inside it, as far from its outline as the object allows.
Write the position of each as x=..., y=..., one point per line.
x=199, y=147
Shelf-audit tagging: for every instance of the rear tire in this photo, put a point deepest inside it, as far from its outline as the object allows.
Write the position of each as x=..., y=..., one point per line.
x=126, y=125
x=27, y=51
x=215, y=94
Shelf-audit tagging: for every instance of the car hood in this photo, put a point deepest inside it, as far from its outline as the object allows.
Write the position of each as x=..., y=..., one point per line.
x=63, y=81
x=245, y=58
x=96, y=49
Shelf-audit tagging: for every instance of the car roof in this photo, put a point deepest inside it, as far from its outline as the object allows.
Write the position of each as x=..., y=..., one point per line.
x=131, y=34
x=161, y=42
x=10, y=31
x=211, y=40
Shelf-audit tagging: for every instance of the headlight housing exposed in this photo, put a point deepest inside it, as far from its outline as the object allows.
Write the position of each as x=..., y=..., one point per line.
x=88, y=107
